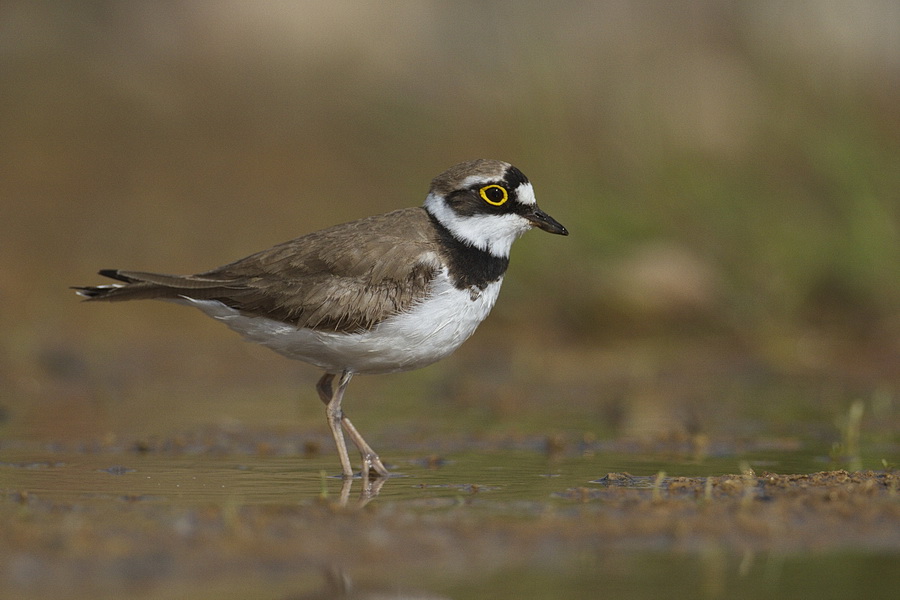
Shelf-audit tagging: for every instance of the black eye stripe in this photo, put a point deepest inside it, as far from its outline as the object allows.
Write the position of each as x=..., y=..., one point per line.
x=470, y=200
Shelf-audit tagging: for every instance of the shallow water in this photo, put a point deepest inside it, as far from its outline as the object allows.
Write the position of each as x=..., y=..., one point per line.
x=68, y=476
x=472, y=524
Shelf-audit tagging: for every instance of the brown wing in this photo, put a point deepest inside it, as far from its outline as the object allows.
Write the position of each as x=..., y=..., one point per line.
x=346, y=278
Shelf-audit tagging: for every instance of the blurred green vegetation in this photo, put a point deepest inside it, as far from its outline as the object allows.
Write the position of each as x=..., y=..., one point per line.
x=728, y=172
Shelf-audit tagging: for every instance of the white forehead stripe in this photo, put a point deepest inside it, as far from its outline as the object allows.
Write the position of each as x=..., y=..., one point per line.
x=473, y=180
x=525, y=194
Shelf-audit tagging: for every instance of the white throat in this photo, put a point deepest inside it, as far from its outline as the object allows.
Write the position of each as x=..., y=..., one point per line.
x=492, y=233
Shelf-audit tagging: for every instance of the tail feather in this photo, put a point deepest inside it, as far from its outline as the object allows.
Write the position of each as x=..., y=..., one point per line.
x=138, y=285
x=96, y=291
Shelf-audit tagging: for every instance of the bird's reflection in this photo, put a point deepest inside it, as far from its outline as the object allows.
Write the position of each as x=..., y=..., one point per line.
x=371, y=487
x=339, y=585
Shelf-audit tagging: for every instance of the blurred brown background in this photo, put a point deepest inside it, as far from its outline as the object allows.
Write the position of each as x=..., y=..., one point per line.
x=728, y=172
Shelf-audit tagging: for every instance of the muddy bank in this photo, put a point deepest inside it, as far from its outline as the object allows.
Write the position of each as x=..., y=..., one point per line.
x=156, y=545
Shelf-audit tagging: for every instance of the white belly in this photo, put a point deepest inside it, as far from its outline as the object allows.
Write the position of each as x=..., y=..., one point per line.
x=432, y=330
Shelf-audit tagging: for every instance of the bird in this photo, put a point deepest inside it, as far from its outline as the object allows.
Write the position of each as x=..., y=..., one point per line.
x=383, y=294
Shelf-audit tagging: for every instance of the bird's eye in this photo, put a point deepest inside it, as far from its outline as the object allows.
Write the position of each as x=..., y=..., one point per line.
x=494, y=194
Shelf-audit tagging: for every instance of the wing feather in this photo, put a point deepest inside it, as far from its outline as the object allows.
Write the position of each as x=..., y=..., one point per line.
x=346, y=278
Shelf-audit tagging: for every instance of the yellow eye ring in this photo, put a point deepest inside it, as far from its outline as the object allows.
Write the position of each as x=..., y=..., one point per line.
x=494, y=194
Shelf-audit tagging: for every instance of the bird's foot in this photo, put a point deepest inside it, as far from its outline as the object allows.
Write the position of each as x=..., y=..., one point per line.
x=373, y=467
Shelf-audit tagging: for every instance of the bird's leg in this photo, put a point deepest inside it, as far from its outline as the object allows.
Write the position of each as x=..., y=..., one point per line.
x=333, y=411
x=370, y=459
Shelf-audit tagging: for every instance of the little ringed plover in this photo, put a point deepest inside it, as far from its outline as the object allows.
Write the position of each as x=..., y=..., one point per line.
x=386, y=293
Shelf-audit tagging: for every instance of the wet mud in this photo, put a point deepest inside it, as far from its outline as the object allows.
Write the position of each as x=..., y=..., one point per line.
x=430, y=532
